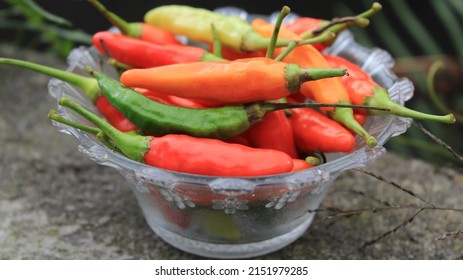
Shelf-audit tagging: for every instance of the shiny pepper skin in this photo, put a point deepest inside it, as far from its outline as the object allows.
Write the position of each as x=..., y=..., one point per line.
x=359, y=84
x=139, y=30
x=232, y=82
x=364, y=90
x=114, y=116
x=118, y=120
x=195, y=23
x=324, y=91
x=315, y=132
x=274, y=131
x=140, y=54
x=188, y=154
x=214, y=157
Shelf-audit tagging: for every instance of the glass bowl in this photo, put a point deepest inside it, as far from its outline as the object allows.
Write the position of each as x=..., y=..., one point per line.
x=232, y=218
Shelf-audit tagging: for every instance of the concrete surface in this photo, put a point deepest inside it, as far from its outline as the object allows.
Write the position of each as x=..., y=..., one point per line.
x=55, y=203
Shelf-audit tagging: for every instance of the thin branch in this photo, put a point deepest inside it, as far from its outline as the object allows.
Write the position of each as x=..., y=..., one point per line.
x=453, y=234
x=438, y=141
x=396, y=185
x=391, y=231
x=339, y=213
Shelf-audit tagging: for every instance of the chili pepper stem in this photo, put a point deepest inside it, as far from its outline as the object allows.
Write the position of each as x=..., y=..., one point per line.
x=87, y=84
x=276, y=30
x=336, y=28
x=272, y=106
x=216, y=54
x=129, y=29
x=256, y=111
x=345, y=116
x=313, y=160
x=381, y=98
x=326, y=36
x=319, y=156
x=252, y=41
x=54, y=116
x=132, y=146
x=216, y=44
x=119, y=65
x=362, y=22
x=297, y=75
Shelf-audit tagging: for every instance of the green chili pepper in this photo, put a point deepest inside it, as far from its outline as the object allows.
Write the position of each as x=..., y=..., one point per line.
x=221, y=122
x=195, y=23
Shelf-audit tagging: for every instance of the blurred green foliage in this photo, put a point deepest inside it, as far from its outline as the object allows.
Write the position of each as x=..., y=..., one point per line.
x=419, y=42
x=36, y=28
x=418, y=39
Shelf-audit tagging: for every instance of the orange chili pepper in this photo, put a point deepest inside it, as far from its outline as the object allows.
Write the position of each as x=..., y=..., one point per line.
x=327, y=91
x=233, y=82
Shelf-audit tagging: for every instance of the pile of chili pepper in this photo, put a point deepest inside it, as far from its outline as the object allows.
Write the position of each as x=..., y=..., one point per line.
x=259, y=99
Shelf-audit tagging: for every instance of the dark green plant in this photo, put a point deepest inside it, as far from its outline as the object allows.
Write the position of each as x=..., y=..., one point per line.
x=429, y=51
x=36, y=28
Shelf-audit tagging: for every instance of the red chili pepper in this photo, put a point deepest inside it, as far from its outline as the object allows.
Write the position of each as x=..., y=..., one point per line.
x=363, y=90
x=189, y=154
x=360, y=117
x=274, y=131
x=139, y=30
x=142, y=54
x=324, y=91
x=315, y=132
x=232, y=82
x=300, y=164
x=114, y=116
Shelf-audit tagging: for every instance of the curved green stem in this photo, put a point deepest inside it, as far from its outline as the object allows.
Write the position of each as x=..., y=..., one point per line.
x=132, y=146
x=435, y=67
x=296, y=75
x=276, y=30
x=363, y=22
x=53, y=115
x=313, y=160
x=87, y=84
x=345, y=116
x=324, y=37
x=216, y=43
x=129, y=29
x=381, y=99
x=340, y=26
x=273, y=106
